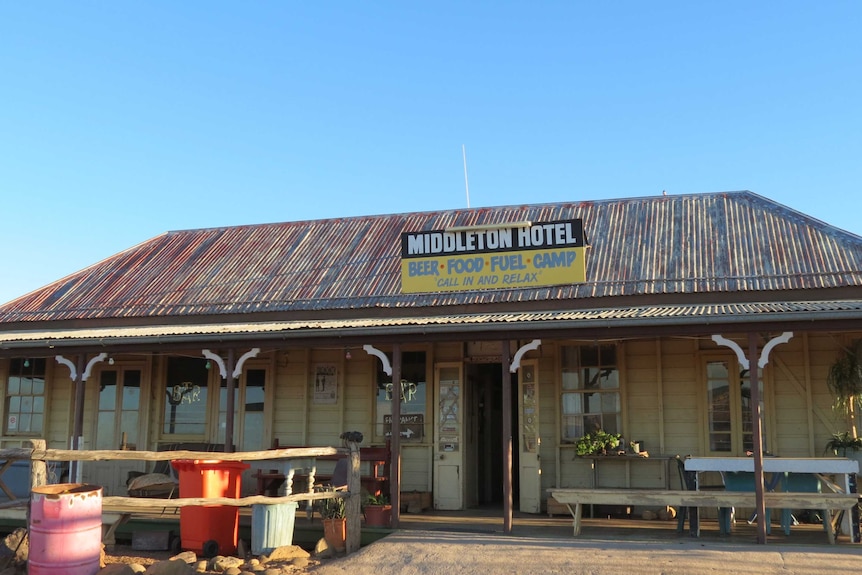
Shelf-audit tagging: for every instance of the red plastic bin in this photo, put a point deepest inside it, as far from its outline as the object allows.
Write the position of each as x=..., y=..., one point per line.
x=213, y=529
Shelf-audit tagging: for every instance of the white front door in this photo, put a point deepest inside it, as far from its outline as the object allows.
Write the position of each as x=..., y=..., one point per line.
x=529, y=441
x=449, y=437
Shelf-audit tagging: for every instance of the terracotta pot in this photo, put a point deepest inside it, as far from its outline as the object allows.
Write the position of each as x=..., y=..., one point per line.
x=335, y=533
x=378, y=515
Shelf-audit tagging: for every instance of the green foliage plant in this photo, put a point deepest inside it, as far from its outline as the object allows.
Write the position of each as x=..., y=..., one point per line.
x=845, y=382
x=596, y=442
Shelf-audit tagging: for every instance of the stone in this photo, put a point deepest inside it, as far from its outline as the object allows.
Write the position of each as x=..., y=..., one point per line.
x=286, y=552
x=17, y=545
x=299, y=562
x=223, y=563
x=117, y=569
x=138, y=568
x=169, y=567
x=649, y=515
x=323, y=549
x=232, y=571
x=186, y=556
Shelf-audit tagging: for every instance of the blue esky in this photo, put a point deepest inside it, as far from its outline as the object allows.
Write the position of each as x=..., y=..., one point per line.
x=123, y=120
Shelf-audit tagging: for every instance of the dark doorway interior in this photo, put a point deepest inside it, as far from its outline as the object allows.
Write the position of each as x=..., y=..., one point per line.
x=486, y=410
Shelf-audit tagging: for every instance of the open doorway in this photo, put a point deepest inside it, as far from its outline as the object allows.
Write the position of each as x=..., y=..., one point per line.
x=485, y=409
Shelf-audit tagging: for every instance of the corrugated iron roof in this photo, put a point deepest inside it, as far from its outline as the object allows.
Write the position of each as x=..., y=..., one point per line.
x=718, y=314
x=685, y=244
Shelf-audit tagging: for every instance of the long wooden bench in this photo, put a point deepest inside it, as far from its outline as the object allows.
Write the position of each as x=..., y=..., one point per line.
x=574, y=499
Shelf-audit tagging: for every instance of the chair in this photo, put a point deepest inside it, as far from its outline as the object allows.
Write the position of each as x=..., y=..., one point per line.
x=744, y=481
x=804, y=483
x=688, y=481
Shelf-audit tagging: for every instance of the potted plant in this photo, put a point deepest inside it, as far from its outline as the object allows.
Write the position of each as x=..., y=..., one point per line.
x=377, y=509
x=845, y=382
x=333, y=516
x=597, y=442
x=842, y=442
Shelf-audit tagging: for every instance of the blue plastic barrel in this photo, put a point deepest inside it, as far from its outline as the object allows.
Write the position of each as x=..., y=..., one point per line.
x=271, y=526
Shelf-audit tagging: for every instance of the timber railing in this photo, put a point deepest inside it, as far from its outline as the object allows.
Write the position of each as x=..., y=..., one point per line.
x=38, y=455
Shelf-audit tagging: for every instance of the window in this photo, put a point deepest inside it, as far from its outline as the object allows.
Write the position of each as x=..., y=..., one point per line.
x=186, y=397
x=248, y=417
x=590, y=391
x=728, y=396
x=25, y=397
x=413, y=402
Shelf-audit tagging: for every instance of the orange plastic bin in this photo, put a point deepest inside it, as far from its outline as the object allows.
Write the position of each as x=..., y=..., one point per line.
x=212, y=529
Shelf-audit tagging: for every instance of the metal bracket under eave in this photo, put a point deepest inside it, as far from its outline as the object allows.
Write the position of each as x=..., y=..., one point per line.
x=764, y=354
x=516, y=361
x=237, y=370
x=371, y=350
x=73, y=371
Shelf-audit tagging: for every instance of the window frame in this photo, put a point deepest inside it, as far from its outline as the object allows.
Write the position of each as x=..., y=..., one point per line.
x=46, y=375
x=570, y=432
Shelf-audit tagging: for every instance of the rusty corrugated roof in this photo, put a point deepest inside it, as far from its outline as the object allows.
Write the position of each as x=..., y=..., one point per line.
x=684, y=244
x=717, y=314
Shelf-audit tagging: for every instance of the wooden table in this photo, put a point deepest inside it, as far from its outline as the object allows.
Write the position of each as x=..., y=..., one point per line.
x=822, y=467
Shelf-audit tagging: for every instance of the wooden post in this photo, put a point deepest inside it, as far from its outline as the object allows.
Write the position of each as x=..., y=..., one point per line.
x=229, y=404
x=78, y=427
x=757, y=428
x=353, y=509
x=395, y=439
x=507, y=439
x=38, y=469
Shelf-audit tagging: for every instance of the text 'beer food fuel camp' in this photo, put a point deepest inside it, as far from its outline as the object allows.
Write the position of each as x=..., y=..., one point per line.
x=526, y=254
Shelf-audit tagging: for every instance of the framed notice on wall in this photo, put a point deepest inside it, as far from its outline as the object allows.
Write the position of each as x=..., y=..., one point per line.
x=325, y=383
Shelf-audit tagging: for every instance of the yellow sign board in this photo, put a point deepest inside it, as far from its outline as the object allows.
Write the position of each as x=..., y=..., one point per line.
x=524, y=256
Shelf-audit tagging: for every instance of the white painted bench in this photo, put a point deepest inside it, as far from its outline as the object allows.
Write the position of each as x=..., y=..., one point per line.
x=574, y=499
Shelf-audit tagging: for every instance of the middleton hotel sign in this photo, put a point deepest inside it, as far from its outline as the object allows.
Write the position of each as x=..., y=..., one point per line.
x=517, y=255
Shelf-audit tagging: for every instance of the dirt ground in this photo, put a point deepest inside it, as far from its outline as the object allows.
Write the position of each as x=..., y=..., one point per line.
x=410, y=552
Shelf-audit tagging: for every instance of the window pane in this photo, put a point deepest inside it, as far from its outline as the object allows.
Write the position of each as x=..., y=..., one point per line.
x=129, y=426
x=186, y=396
x=131, y=390
x=105, y=431
x=108, y=391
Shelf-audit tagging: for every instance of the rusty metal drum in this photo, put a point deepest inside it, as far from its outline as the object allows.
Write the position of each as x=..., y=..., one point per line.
x=65, y=529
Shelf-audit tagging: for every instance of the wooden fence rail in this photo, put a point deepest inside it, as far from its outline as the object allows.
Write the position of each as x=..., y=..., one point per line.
x=39, y=455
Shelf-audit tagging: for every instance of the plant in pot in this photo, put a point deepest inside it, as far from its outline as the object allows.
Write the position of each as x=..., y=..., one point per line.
x=843, y=442
x=597, y=442
x=332, y=513
x=845, y=382
x=377, y=509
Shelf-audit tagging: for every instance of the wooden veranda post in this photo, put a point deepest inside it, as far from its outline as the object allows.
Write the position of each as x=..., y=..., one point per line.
x=395, y=439
x=352, y=506
x=757, y=439
x=507, y=439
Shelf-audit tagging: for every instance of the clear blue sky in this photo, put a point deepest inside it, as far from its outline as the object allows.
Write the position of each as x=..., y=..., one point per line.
x=123, y=120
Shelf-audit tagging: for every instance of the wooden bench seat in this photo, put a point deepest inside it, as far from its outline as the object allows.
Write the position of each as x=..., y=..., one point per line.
x=575, y=498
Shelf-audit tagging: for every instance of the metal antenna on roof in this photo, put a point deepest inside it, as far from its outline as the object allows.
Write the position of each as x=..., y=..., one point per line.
x=466, y=183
